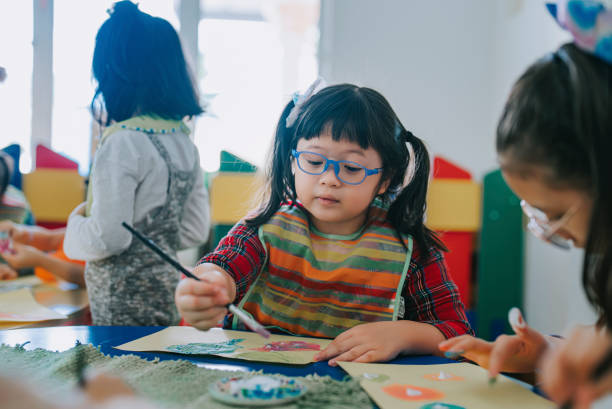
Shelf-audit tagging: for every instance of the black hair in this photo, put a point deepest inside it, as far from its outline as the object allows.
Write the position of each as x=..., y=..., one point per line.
x=140, y=69
x=5, y=175
x=363, y=116
x=558, y=117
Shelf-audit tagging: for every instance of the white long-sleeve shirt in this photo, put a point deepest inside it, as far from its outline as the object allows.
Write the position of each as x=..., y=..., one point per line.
x=131, y=179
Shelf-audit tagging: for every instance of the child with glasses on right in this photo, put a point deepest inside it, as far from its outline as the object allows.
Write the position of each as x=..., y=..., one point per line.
x=554, y=142
x=339, y=249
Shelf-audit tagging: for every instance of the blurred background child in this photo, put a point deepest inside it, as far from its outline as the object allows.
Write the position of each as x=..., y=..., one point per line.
x=146, y=172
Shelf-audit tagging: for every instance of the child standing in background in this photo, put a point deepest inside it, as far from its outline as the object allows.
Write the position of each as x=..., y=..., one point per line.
x=340, y=249
x=146, y=172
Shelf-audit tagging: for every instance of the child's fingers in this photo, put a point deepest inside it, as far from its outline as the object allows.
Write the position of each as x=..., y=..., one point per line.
x=7, y=273
x=373, y=355
x=474, y=349
x=345, y=336
x=188, y=303
x=331, y=350
x=205, y=321
x=504, y=347
x=211, y=314
x=350, y=355
x=557, y=377
x=524, y=331
x=200, y=289
x=8, y=257
x=453, y=344
x=336, y=347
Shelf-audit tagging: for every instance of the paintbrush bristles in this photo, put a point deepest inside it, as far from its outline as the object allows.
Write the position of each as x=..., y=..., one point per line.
x=249, y=322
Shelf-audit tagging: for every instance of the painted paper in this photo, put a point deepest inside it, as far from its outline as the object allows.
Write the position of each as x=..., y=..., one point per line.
x=251, y=347
x=202, y=348
x=19, y=283
x=20, y=306
x=289, y=346
x=467, y=387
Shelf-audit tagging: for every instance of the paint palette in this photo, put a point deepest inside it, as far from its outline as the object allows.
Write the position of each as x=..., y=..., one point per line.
x=256, y=390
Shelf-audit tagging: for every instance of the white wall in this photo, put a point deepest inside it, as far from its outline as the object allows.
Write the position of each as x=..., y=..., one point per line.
x=429, y=58
x=446, y=67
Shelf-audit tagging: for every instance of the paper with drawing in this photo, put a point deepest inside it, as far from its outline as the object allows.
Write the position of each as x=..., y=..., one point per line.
x=230, y=344
x=459, y=385
x=20, y=305
x=19, y=283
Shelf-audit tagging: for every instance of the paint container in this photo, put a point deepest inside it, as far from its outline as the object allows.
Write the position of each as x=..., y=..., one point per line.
x=259, y=390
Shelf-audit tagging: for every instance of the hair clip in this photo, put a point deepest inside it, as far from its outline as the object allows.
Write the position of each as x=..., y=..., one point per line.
x=589, y=22
x=299, y=100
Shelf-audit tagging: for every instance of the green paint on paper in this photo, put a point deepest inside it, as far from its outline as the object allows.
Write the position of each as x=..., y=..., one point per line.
x=440, y=405
x=375, y=377
x=201, y=348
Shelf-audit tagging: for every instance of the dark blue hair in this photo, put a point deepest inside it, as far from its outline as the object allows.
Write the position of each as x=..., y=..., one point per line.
x=140, y=68
x=363, y=116
x=5, y=174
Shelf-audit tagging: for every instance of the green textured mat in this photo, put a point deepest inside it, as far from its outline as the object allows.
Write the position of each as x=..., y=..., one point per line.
x=173, y=384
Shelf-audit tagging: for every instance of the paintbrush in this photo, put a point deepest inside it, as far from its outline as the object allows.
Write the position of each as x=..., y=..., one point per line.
x=237, y=311
x=600, y=370
x=79, y=363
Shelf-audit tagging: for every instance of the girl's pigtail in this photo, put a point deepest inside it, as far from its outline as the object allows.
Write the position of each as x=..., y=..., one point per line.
x=408, y=209
x=279, y=181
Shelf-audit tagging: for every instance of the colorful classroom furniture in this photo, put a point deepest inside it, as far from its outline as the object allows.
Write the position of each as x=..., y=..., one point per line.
x=53, y=193
x=49, y=159
x=500, y=261
x=453, y=211
x=54, y=188
x=233, y=191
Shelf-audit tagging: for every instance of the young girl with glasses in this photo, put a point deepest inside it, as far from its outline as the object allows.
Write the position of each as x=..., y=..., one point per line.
x=554, y=142
x=339, y=248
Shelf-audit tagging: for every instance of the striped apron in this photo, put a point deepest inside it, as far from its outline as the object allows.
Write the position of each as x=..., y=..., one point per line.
x=320, y=285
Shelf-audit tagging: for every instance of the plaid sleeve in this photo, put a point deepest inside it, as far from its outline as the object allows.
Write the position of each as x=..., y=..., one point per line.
x=241, y=254
x=432, y=297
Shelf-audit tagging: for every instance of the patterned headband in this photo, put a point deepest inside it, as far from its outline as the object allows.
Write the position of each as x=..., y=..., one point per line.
x=589, y=21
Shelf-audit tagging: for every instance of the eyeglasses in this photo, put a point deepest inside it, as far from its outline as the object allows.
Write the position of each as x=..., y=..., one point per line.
x=348, y=172
x=540, y=226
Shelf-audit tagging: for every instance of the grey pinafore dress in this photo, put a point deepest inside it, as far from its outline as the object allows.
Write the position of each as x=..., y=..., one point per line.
x=136, y=287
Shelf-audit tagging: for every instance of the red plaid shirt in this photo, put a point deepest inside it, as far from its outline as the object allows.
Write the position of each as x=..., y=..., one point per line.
x=429, y=293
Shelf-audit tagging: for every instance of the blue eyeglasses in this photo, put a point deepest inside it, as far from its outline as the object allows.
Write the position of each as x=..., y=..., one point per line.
x=348, y=172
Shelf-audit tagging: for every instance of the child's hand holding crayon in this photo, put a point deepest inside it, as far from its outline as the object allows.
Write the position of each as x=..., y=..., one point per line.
x=203, y=303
